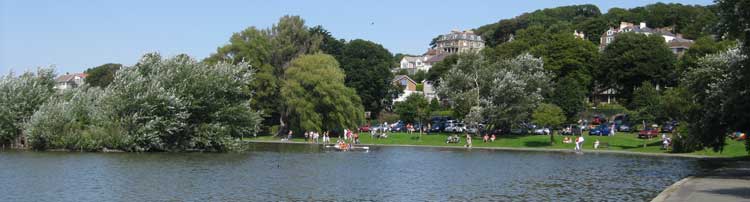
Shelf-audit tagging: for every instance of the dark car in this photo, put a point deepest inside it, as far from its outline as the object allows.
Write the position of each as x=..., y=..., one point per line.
x=668, y=128
x=398, y=127
x=649, y=132
x=437, y=126
x=601, y=130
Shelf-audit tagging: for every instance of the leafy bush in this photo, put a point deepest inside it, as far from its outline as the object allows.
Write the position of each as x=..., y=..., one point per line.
x=19, y=98
x=156, y=105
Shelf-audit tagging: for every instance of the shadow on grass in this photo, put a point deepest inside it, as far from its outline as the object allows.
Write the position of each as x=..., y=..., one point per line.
x=626, y=147
x=537, y=144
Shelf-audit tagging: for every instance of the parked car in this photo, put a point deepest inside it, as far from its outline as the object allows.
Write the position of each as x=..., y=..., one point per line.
x=667, y=127
x=398, y=127
x=455, y=128
x=601, y=130
x=571, y=130
x=437, y=126
x=648, y=132
x=364, y=128
x=474, y=129
x=541, y=131
x=624, y=128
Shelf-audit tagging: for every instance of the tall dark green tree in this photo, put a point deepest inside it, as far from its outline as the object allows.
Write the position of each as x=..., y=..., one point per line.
x=102, y=75
x=570, y=95
x=368, y=70
x=633, y=59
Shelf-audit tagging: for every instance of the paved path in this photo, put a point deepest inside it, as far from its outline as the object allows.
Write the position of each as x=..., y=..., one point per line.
x=730, y=184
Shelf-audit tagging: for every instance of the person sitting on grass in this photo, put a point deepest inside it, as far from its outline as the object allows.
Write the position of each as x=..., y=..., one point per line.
x=596, y=144
x=567, y=140
x=468, y=141
x=492, y=139
x=486, y=138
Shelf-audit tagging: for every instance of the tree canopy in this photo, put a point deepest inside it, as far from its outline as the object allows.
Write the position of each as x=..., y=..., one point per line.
x=316, y=97
x=368, y=70
x=102, y=75
x=632, y=59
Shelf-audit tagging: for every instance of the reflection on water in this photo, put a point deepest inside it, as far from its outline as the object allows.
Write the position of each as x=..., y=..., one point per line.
x=273, y=172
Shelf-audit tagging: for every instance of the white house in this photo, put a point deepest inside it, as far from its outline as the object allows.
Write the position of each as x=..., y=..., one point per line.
x=69, y=81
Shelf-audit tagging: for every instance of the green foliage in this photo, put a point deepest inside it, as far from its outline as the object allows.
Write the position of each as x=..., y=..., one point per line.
x=548, y=115
x=503, y=92
x=102, y=75
x=316, y=97
x=711, y=88
x=156, y=105
x=566, y=56
x=645, y=103
x=441, y=68
x=633, y=59
x=269, y=51
x=368, y=70
x=414, y=109
x=693, y=21
x=20, y=97
x=702, y=47
x=420, y=87
x=570, y=95
x=498, y=33
x=419, y=76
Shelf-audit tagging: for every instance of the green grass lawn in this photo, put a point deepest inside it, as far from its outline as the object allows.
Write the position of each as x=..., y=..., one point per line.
x=621, y=142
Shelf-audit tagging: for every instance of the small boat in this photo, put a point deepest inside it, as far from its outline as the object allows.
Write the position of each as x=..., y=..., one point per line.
x=348, y=147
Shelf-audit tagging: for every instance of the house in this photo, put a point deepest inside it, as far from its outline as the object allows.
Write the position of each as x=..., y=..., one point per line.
x=69, y=81
x=676, y=43
x=410, y=86
x=412, y=64
x=447, y=44
x=458, y=42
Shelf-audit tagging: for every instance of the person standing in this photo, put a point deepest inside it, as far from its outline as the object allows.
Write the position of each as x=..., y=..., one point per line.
x=579, y=143
x=468, y=140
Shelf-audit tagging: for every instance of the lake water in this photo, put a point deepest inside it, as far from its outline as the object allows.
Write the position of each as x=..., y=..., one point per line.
x=286, y=172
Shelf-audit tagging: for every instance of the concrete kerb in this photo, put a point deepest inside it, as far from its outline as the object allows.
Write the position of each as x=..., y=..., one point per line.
x=671, y=189
x=512, y=149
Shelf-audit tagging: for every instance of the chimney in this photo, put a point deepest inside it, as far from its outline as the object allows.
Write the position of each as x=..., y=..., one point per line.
x=643, y=25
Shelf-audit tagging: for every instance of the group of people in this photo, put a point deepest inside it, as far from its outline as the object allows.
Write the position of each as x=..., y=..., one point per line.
x=314, y=137
x=487, y=138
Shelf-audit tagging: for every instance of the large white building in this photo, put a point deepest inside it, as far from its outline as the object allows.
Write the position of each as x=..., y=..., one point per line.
x=450, y=43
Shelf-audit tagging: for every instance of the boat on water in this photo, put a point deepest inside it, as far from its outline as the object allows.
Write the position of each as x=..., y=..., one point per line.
x=348, y=147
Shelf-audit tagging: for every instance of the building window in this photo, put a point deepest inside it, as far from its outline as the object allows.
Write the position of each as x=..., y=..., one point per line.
x=403, y=82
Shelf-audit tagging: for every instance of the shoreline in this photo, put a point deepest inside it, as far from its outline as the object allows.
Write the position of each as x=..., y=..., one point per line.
x=514, y=149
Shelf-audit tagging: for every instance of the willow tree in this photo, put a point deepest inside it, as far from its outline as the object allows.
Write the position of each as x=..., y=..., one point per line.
x=315, y=95
x=19, y=98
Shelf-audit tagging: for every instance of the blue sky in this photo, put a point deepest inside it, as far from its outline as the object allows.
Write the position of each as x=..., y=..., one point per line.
x=75, y=35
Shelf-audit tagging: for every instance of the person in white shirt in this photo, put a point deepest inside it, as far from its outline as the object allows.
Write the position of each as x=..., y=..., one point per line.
x=596, y=144
x=579, y=143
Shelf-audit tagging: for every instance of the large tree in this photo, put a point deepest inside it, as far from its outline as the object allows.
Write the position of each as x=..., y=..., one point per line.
x=269, y=51
x=20, y=97
x=567, y=56
x=548, y=115
x=414, y=109
x=570, y=95
x=710, y=87
x=503, y=93
x=735, y=22
x=315, y=95
x=102, y=75
x=632, y=59
x=367, y=67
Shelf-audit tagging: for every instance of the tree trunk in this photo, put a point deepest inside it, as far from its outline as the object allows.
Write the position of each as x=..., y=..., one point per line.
x=552, y=137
